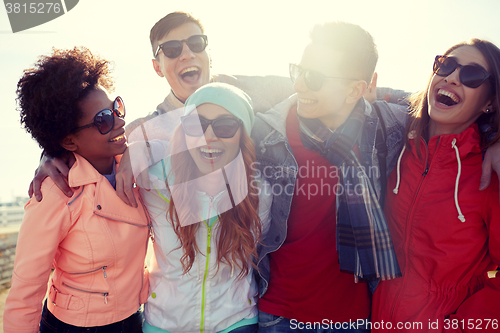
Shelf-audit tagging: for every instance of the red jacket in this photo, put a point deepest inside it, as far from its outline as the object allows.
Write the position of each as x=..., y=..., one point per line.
x=97, y=246
x=444, y=260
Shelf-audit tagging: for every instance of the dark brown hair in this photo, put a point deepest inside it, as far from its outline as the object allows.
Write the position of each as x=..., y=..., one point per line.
x=167, y=23
x=489, y=123
x=48, y=94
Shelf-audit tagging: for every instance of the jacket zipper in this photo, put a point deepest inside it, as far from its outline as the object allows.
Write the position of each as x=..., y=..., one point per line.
x=150, y=231
x=207, y=261
x=105, y=294
x=92, y=271
x=130, y=223
x=409, y=224
x=209, y=236
x=152, y=237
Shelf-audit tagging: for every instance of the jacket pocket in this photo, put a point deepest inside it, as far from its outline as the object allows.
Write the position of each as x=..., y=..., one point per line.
x=267, y=320
x=103, y=293
x=65, y=301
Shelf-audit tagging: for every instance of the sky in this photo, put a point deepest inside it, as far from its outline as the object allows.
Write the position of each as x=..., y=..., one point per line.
x=258, y=37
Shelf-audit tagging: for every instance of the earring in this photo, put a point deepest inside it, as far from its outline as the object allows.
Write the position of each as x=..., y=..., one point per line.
x=487, y=111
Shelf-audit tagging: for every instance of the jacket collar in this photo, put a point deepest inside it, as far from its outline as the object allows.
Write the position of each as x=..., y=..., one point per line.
x=468, y=141
x=170, y=103
x=276, y=117
x=83, y=173
x=109, y=206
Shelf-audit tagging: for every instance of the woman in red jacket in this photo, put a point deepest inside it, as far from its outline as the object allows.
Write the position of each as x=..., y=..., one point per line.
x=95, y=243
x=445, y=231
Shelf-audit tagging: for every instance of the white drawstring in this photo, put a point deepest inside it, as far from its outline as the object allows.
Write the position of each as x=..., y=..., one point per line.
x=398, y=169
x=460, y=215
x=232, y=270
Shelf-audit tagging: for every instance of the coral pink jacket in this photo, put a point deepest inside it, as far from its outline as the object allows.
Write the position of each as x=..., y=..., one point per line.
x=96, y=245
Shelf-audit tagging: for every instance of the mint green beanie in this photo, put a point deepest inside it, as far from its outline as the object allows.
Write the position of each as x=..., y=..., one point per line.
x=227, y=96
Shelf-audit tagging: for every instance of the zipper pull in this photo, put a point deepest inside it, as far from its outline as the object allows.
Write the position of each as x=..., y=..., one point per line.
x=209, y=235
x=425, y=172
x=104, y=271
x=105, y=298
x=151, y=233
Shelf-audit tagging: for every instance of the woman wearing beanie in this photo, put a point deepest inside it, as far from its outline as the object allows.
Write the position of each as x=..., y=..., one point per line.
x=208, y=208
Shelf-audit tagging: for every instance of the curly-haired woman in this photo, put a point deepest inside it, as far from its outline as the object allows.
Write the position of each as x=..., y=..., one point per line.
x=95, y=243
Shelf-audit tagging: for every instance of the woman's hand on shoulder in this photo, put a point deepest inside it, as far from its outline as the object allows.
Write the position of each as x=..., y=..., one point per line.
x=371, y=92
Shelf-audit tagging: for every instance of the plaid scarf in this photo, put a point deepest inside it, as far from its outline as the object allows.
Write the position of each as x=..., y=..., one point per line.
x=364, y=244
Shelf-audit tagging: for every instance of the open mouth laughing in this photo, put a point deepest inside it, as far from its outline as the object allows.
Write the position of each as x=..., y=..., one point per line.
x=447, y=98
x=190, y=74
x=118, y=138
x=211, y=153
x=306, y=101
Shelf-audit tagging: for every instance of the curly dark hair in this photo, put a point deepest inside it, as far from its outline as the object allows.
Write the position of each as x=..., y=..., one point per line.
x=49, y=93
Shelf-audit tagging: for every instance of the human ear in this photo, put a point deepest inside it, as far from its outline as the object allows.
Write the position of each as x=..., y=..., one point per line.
x=489, y=106
x=157, y=68
x=356, y=91
x=69, y=143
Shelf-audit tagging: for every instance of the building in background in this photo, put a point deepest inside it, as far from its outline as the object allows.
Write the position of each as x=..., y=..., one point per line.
x=11, y=213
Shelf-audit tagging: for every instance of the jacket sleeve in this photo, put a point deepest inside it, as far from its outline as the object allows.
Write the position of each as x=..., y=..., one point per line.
x=44, y=225
x=397, y=96
x=265, y=91
x=265, y=202
x=483, y=307
x=396, y=112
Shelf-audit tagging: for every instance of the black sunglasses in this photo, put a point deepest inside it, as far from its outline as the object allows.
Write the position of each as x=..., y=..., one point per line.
x=314, y=80
x=173, y=48
x=104, y=120
x=223, y=128
x=471, y=76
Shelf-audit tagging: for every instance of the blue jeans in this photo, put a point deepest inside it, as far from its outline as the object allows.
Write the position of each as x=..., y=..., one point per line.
x=246, y=329
x=269, y=323
x=50, y=324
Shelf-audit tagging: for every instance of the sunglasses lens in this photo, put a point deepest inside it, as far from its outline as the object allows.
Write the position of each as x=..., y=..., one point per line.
x=193, y=126
x=472, y=77
x=444, y=66
x=294, y=72
x=119, y=107
x=225, y=128
x=314, y=80
x=196, y=43
x=104, y=121
x=172, y=49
